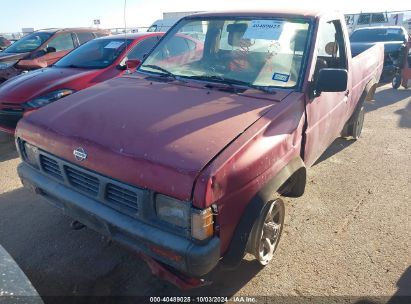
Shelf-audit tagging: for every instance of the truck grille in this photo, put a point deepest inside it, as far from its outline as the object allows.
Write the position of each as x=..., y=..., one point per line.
x=122, y=197
x=50, y=166
x=82, y=181
x=119, y=196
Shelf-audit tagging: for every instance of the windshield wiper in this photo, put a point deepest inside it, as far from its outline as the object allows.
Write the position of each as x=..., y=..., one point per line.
x=159, y=68
x=231, y=82
x=70, y=66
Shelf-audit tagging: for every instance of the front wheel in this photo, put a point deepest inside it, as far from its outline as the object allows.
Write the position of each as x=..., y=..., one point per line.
x=266, y=232
x=396, y=81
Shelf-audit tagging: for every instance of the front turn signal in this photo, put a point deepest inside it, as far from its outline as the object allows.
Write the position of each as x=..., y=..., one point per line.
x=202, y=224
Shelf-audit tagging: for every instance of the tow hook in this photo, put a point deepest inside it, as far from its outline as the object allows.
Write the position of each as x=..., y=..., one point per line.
x=76, y=225
x=176, y=278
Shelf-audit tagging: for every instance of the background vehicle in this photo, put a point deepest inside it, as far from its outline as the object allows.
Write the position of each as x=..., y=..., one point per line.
x=91, y=63
x=186, y=159
x=4, y=43
x=162, y=25
x=394, y=39
x=42, y=48
x=357, y=21
x=169, y=19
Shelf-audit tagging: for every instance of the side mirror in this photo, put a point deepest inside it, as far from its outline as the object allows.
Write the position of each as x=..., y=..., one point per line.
x=51, y=49
x=133, y=64
x=331, y=80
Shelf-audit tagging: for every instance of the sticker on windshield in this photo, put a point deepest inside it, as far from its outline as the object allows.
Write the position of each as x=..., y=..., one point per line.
x=281, y=77
x=264, y=29
x=114, y=45
x=393, y=31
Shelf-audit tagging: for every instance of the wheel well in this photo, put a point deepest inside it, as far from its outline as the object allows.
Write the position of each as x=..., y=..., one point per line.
x=294, y=174
x=367, y=95
x=370, y=90
x=295, y=185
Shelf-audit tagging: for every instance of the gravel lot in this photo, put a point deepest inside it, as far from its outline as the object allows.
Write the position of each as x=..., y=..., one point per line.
x=349, y=235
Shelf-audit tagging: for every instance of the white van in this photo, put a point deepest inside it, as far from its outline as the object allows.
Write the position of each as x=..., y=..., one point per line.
x=162, y=25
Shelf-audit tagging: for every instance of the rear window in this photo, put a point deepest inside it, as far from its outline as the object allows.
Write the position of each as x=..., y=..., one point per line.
x=377, y=35
x=143, y=48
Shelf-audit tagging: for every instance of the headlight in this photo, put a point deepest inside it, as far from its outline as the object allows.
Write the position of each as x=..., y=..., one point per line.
x=182, y=215
x=48, y=98
x=7, y=64
x=29, y=154
x=173, y=211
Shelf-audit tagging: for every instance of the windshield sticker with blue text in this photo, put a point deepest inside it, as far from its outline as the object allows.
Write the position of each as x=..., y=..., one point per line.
x=264, y=29
x=114, y=45
x=281, y=77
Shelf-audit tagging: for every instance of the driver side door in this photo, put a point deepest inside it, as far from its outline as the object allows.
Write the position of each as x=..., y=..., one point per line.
x=327, y=113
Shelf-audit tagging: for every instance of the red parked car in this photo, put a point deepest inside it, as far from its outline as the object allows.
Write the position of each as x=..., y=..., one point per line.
x=4, y=43
x=43, y=48
x=91, y=63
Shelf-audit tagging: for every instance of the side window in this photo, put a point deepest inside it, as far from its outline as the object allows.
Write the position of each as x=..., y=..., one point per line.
x=62, y=42
x=177, y=46
x=331, y=47
x=83, y=37
x=143, y=48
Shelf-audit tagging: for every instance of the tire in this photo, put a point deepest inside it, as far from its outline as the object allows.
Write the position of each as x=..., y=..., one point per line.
x=396, y=81
x=266, y=232
x=358, y=124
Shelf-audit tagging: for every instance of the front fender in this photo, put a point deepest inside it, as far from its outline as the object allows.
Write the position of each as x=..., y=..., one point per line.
x=237, y=247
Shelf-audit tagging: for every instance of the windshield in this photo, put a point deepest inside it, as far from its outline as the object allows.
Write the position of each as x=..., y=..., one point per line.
x=95, y=54
x=247, y=51
x=377, y=35
x=28, y=43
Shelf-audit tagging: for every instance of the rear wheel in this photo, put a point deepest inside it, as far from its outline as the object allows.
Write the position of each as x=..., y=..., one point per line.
x=358, y=124
x=396, y=81
x=266, y=232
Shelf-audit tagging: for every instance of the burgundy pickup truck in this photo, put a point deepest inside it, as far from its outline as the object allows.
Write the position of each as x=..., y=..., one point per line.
x=187, y=159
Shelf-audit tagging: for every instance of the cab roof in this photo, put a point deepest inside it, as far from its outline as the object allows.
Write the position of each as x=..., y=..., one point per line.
x=281, y=12
x=77, y=29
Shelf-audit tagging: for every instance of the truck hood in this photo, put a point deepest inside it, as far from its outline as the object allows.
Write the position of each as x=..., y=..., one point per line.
x=155, y=135
x=389, y=46
x=33, y=84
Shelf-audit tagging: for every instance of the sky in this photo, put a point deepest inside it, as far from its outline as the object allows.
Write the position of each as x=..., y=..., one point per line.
x=38, y=14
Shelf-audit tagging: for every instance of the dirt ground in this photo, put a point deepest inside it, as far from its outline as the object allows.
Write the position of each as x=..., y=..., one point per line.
x=349, y=235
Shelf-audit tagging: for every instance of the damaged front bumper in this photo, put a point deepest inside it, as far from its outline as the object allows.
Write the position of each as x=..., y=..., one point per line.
x=173, y=250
